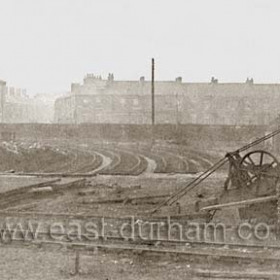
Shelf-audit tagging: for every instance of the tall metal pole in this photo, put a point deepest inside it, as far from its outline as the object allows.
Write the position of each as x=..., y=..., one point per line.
x=153, y=91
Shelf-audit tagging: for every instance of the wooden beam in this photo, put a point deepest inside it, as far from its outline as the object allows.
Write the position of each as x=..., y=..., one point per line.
x=240, y=203
x=54, y=174
x=125, y=199
x=236, y=274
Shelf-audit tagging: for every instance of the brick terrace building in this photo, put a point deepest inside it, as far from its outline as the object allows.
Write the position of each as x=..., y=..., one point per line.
x=110, y=101
x=17, y=107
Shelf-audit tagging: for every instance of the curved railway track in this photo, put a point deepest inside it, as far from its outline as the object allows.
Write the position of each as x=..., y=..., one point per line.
x=118, y=159
x=159, y=160
x=128, y=163
x=175, y=162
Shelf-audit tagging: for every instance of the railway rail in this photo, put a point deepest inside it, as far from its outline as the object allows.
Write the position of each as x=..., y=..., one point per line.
x=129, y=159
x=116, y=241
x=168, y=248
x=209, y=257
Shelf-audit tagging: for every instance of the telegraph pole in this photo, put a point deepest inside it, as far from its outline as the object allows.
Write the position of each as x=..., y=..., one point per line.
x=153, y=91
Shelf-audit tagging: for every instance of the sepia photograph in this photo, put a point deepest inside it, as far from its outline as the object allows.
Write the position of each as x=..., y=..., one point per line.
x=139, y=140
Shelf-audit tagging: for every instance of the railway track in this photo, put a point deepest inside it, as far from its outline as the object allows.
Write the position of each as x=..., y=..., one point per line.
x=195, y=161
x=128, y=163
x=94, y=160
x=115, y=159
x=167, y=158
x=116, y=238
x=147, y=152
x=125, y=159
x=175, y=163
x=181, y=255
x=189, y=251
x=168, y=248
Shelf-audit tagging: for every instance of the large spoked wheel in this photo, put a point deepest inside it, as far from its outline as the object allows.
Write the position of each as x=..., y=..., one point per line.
x=260, y=166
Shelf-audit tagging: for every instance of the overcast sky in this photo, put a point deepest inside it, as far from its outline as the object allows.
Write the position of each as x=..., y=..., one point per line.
x=47, y=44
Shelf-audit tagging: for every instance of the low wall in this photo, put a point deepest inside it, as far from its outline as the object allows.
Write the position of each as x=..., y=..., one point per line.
x=204, y=136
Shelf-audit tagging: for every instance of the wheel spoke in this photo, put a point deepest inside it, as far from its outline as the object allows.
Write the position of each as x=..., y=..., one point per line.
x=261, y=158
x=245, y=162
x=249, y=157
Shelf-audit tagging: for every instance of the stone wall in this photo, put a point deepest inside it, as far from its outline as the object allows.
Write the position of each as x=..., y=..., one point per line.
x=213, y=137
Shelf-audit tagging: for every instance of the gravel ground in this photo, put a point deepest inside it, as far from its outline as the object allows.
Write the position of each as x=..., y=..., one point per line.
x=152, y=185
x=52, y=264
